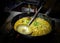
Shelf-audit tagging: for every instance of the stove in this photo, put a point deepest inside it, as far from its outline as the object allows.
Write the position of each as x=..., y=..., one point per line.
x=10, y=36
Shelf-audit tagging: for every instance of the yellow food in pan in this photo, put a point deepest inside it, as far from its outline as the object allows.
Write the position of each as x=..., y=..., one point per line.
x=38, y=27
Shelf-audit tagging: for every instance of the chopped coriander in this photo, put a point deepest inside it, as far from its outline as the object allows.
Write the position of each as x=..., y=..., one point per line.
x=36, y=23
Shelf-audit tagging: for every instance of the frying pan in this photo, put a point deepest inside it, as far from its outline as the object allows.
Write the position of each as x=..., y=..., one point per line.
x=51, y=22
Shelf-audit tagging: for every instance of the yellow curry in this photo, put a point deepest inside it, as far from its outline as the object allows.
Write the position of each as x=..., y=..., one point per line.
x=38, y=27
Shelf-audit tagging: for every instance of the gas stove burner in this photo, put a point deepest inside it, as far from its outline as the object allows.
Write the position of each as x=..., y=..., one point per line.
x=25, y=7
x=29, y=8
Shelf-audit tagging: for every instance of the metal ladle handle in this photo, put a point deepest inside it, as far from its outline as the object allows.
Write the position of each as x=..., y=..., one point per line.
x=35, y=15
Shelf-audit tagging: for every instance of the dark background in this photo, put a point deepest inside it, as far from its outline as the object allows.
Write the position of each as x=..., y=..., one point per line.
x=55, y=13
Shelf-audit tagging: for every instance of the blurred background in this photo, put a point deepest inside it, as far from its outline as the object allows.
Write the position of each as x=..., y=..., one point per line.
x=14, y=7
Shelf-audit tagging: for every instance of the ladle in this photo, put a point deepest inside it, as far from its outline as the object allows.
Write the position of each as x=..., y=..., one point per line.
x=24, y=29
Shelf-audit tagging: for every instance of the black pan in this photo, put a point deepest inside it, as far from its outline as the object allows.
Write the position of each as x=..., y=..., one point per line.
x=52, y=23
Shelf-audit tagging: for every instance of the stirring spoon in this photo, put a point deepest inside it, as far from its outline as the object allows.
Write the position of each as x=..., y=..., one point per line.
x=24, y=29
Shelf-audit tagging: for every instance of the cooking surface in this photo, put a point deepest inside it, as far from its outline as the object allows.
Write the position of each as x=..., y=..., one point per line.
x=7, y=37
x=16, y=38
